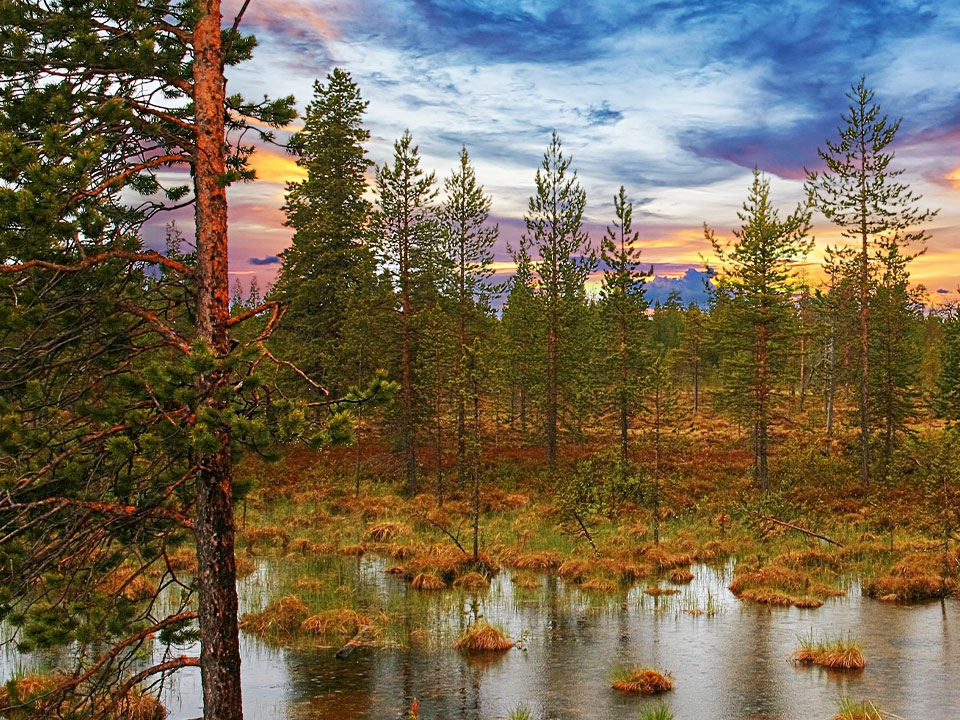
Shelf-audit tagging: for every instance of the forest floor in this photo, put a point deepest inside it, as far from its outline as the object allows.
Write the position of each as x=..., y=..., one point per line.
x=808, y=538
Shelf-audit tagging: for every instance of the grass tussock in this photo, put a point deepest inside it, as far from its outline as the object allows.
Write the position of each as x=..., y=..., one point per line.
x=576, y=569
x=520, y=713
x=342, y=623
x=356, y=549
x=387, y=531
x=680, y=576
x=641, y=681
x=599, y=585
x=34, y=696
x=526, y=581
x=482, y=637
x=281, y=617
x=848, y=709
x=778, y=585
x=265, y=536
x=545, y=560
x=660, y=712
x=473, y=582
x=658, y=591
x=918, y=576
x=427, y=582
x=835, y=653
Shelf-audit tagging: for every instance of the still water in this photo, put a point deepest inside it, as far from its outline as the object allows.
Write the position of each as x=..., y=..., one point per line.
x=731, y=663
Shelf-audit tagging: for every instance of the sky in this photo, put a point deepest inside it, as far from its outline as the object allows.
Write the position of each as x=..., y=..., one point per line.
x=675, y=100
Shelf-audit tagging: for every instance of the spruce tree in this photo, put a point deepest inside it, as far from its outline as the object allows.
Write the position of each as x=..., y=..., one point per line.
x=328, y=267
x=522, y=327
x=624, y=305
x=860, y=193
x=469, y=240
x=564, y=260
x=405, y=243
x=756, y=284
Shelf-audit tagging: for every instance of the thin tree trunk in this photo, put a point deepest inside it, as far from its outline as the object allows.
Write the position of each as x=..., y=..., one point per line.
x=864, y=328
x=551, y=419
x=831, y=382
x=214, y=522
x=408, y=431
x=475, y=469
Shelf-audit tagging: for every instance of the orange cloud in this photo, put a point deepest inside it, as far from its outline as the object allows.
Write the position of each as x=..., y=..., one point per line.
x=954, y=178
x=274, y=168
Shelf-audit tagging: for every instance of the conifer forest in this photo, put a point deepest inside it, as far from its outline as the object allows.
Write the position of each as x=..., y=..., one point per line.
x=455, y=453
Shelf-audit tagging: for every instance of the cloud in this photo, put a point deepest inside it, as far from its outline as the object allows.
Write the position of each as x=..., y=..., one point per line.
x=603, y=114
x=267, y=260
x=943, y=291
x=691, y=286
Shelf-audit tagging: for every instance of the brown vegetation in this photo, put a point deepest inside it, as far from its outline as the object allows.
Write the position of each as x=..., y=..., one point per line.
x=642, y=681
x=481, y=637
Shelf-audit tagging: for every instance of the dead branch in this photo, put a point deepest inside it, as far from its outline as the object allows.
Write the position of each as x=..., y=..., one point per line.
x=150, y=256
x=811, y=533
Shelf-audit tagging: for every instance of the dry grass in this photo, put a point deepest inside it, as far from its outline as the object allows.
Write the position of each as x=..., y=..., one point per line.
x=858, y=710
x=777, y=585
x=918, y=576
x=658, y=591
x=32, y=696
x=526, y=581
x=599, y=584
x=576, y=569
x=546, y=560
x=427, y=582
x=129, y=583
x=482, y=637
x=265, y=535
x=641, y=681
x=680, y=576
x=834, y=653
x=341, y=623
x=356, y=549
x=387, y=531
x=281, y=617
x=472, y=581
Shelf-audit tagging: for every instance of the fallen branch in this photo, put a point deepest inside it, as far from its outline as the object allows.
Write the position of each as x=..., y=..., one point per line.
x=811, y=533
x=344, y=652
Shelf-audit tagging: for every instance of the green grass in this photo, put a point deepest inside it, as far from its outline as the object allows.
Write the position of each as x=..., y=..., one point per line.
x=520, y=713
x=660, y=712
x=848, y=709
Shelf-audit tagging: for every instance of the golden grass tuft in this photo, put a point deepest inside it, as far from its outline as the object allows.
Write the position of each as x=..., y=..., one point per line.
x=183, y=560
x=663, y=560
x=779, y=586
x=129, y=583
x=575, y=569
x=599, y=584
x=858, y=710
x=309, y=584
x=544, y=560
x=641, y=681
x=139, y=706
x=680, y=576
x=32, y=695
x=386, y=531
x=428, y=582
x=918, y=576
x=357, y=549
x=655, y=591
x=472, y=581
x=834, y=653
x=281, y=617
x=526, y=581
x=343, y=623
x=482, y=637
x=265, y=535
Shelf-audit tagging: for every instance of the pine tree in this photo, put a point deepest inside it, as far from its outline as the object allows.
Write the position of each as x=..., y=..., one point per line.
x=469, y=241
x=947, y=399
x=121, y=403
x=896, y=311
x=660, y=413
x=692, y=348
x=328, y=266
x=564, y=261
x=405, y=242
x=756, y=284
x=522, y=324
x=623, y=301
x=860, y=193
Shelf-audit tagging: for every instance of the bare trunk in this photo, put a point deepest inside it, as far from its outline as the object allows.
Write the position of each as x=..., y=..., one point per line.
x=551, y=415
x=475, y=470
x=408, y=431
x=831, y=382
x=864, y=330
x=214, y=522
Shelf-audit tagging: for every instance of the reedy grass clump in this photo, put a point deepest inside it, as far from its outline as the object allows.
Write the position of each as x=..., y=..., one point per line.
x=848, y=709
x=660, y=712
x=640, y=680
x=520, y=712
x=280, y=617
x=482, y=637
x=836, y=653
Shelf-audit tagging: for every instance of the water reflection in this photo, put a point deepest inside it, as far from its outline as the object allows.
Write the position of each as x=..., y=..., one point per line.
x=732, y=664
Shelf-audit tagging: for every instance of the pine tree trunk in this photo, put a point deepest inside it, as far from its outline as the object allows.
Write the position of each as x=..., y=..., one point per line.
x=831, y=382
x=475, y=470
x=624, y=410
x=551, y=415
x=408, y=431
x=214, y=522
x=461, y=400
x=864, y=331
